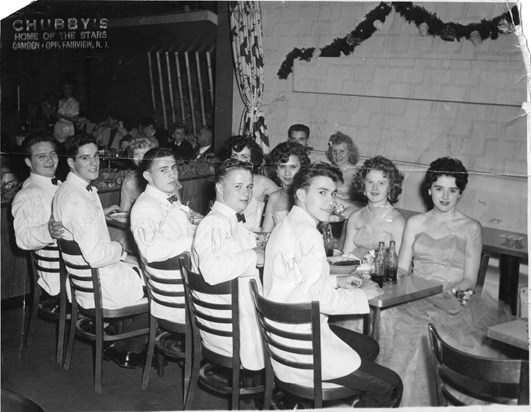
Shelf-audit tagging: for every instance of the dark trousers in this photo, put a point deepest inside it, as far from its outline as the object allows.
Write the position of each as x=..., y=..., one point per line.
x=380, y=387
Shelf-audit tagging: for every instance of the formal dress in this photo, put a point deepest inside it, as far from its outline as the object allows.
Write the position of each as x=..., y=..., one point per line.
x=222, y=251
x=65, y=128
x=404, y=334
x=81, y=213
x=162, y=230
x=344, y=191
x=32, y=209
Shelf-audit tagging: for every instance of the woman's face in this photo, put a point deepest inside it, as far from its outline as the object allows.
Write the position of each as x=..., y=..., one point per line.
x=376, y=187
x=444, y=193
x=318, y=199
x=340, y=154
x=243, y=156
x=286, y=171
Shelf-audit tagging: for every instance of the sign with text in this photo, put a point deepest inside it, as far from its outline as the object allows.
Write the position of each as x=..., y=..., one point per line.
x=60, y=33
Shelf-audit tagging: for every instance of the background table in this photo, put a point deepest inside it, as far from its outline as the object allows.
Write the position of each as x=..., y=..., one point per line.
x=515, y=333
x=407, y=289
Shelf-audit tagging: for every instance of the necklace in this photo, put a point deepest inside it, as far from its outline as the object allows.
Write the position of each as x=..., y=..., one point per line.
x=384, y=217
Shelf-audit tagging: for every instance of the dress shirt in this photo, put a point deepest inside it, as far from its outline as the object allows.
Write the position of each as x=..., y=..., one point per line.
x=162, y=230
x=296, y=271
x=81, y=213
x=203, y=151
x=65, y=128
x=32, y=209
x=223, y=250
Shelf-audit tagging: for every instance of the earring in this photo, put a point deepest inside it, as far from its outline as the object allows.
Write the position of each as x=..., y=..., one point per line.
x=429, y=192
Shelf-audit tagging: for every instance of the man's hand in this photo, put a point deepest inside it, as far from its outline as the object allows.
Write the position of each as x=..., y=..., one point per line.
x=111, y=209
x=371, y=289
x=260, y=256
x=55, y=228
x=349, y=282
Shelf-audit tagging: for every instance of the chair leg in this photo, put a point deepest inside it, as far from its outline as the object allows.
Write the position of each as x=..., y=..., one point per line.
x=194, y=378
x=187, y=393
x=30, y=324
x=71, y=335
x=98, y=361
x=150, y=352
x=268, y=389
x=61, y=330
x=235, y=399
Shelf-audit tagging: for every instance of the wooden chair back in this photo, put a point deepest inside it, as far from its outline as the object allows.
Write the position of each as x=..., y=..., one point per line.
x=276, y=349
x=502, y=381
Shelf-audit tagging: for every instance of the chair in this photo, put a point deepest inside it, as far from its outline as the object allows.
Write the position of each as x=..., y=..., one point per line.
x=200, y=309
x=482, y=272
x=502, y=381
x=41, y=307
x=290, y=315
x=85, y=279
x=156, y=286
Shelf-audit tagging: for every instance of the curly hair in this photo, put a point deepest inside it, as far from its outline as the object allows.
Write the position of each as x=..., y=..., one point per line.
x=282, y=152
x=447, y=166
x=338, y=138
x=139, y=143
x=237, y=144
x=388, y=169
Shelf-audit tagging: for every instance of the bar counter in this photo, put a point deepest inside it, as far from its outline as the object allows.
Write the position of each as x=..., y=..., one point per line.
x=197, y=189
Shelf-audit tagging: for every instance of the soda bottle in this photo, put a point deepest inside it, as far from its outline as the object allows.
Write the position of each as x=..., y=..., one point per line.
x=391, y=266
x=379, y=264
x=328, y=239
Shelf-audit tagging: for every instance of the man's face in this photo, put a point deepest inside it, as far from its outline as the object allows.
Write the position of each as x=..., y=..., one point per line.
x=148, y=130
x=163, y=174
x=179, y=135
x=318, y=199
x=298, y=137
x=43, y=160
x=205, y=137
x=236, y=189
x=86, y=164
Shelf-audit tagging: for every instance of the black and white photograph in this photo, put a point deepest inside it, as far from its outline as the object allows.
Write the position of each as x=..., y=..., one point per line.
x=219, y=205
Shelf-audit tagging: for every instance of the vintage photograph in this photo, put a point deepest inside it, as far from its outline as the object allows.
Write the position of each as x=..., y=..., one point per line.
x=216, y=205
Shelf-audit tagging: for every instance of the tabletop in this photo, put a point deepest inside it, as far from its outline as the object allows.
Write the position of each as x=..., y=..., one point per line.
x=515, y=333
x=407, y=289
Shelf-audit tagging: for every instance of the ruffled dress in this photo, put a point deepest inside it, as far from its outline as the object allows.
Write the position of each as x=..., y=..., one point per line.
x=404, y=344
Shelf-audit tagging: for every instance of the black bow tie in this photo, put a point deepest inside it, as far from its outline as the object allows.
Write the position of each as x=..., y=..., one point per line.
x=89, y=187
x=240, y=217
x=173, y=198
x=54, y=181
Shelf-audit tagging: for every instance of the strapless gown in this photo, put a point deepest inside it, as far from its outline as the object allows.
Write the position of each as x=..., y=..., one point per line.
x=404, y=345
x=364, y=240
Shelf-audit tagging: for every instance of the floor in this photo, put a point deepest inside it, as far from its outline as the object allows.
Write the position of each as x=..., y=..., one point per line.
x=36, y=376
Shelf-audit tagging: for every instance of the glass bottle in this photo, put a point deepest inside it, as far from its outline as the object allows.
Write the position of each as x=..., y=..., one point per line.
x=328, y=239
x=391, y=266
x=379, y=264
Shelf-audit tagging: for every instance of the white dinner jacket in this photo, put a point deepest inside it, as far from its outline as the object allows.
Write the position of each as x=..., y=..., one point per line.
x=81, y=213
x=223, y=250
x=32, y=209
x=296, y=271
x=162, y=230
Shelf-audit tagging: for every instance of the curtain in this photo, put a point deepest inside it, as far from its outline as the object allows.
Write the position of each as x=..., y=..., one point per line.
x=248, y=56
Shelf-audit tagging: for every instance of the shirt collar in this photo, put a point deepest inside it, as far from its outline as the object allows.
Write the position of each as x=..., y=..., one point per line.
x=299, y=212
x=44, y=179
x=159, y=194
x=224, y=209
x=204, y=149
x=79, y=182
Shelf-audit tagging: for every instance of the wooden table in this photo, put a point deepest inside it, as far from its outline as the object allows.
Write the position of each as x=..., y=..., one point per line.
x=407, y=289
x=510, y=255
x=515, y=333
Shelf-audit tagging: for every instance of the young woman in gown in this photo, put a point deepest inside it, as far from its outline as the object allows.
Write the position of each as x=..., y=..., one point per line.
x=286, y=159
x=381, y=183
x=444, y=245
x=343, y=153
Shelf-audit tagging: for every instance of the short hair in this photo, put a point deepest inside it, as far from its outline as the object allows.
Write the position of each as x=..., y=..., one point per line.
x=389, y=170
x=231, y=164
x=282, y=152
x=447, y=166
x=238, y=143
x=154, y=154
x=303, y=178
x=179, y=125
x=338, y=138
x=139, y=143
x=35, y=138
x=299, y=127
x=73, y=143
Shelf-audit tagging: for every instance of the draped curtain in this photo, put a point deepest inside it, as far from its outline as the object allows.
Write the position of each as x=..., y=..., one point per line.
x=248, y=56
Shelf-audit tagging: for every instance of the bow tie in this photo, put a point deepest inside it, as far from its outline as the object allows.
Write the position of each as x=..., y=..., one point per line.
x=240, y=217
x=54, y=181
x=172, y=199
x=89, y=187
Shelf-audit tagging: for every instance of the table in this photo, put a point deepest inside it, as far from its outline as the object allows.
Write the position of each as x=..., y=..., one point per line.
x=515, y=333
x=407, y=289
x=120, y=231
x=510, y=256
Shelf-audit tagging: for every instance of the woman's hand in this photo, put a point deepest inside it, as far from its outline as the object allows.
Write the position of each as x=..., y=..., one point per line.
x=462, y=295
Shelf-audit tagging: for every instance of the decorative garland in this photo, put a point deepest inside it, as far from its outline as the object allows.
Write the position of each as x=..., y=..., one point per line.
x=427, y=23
